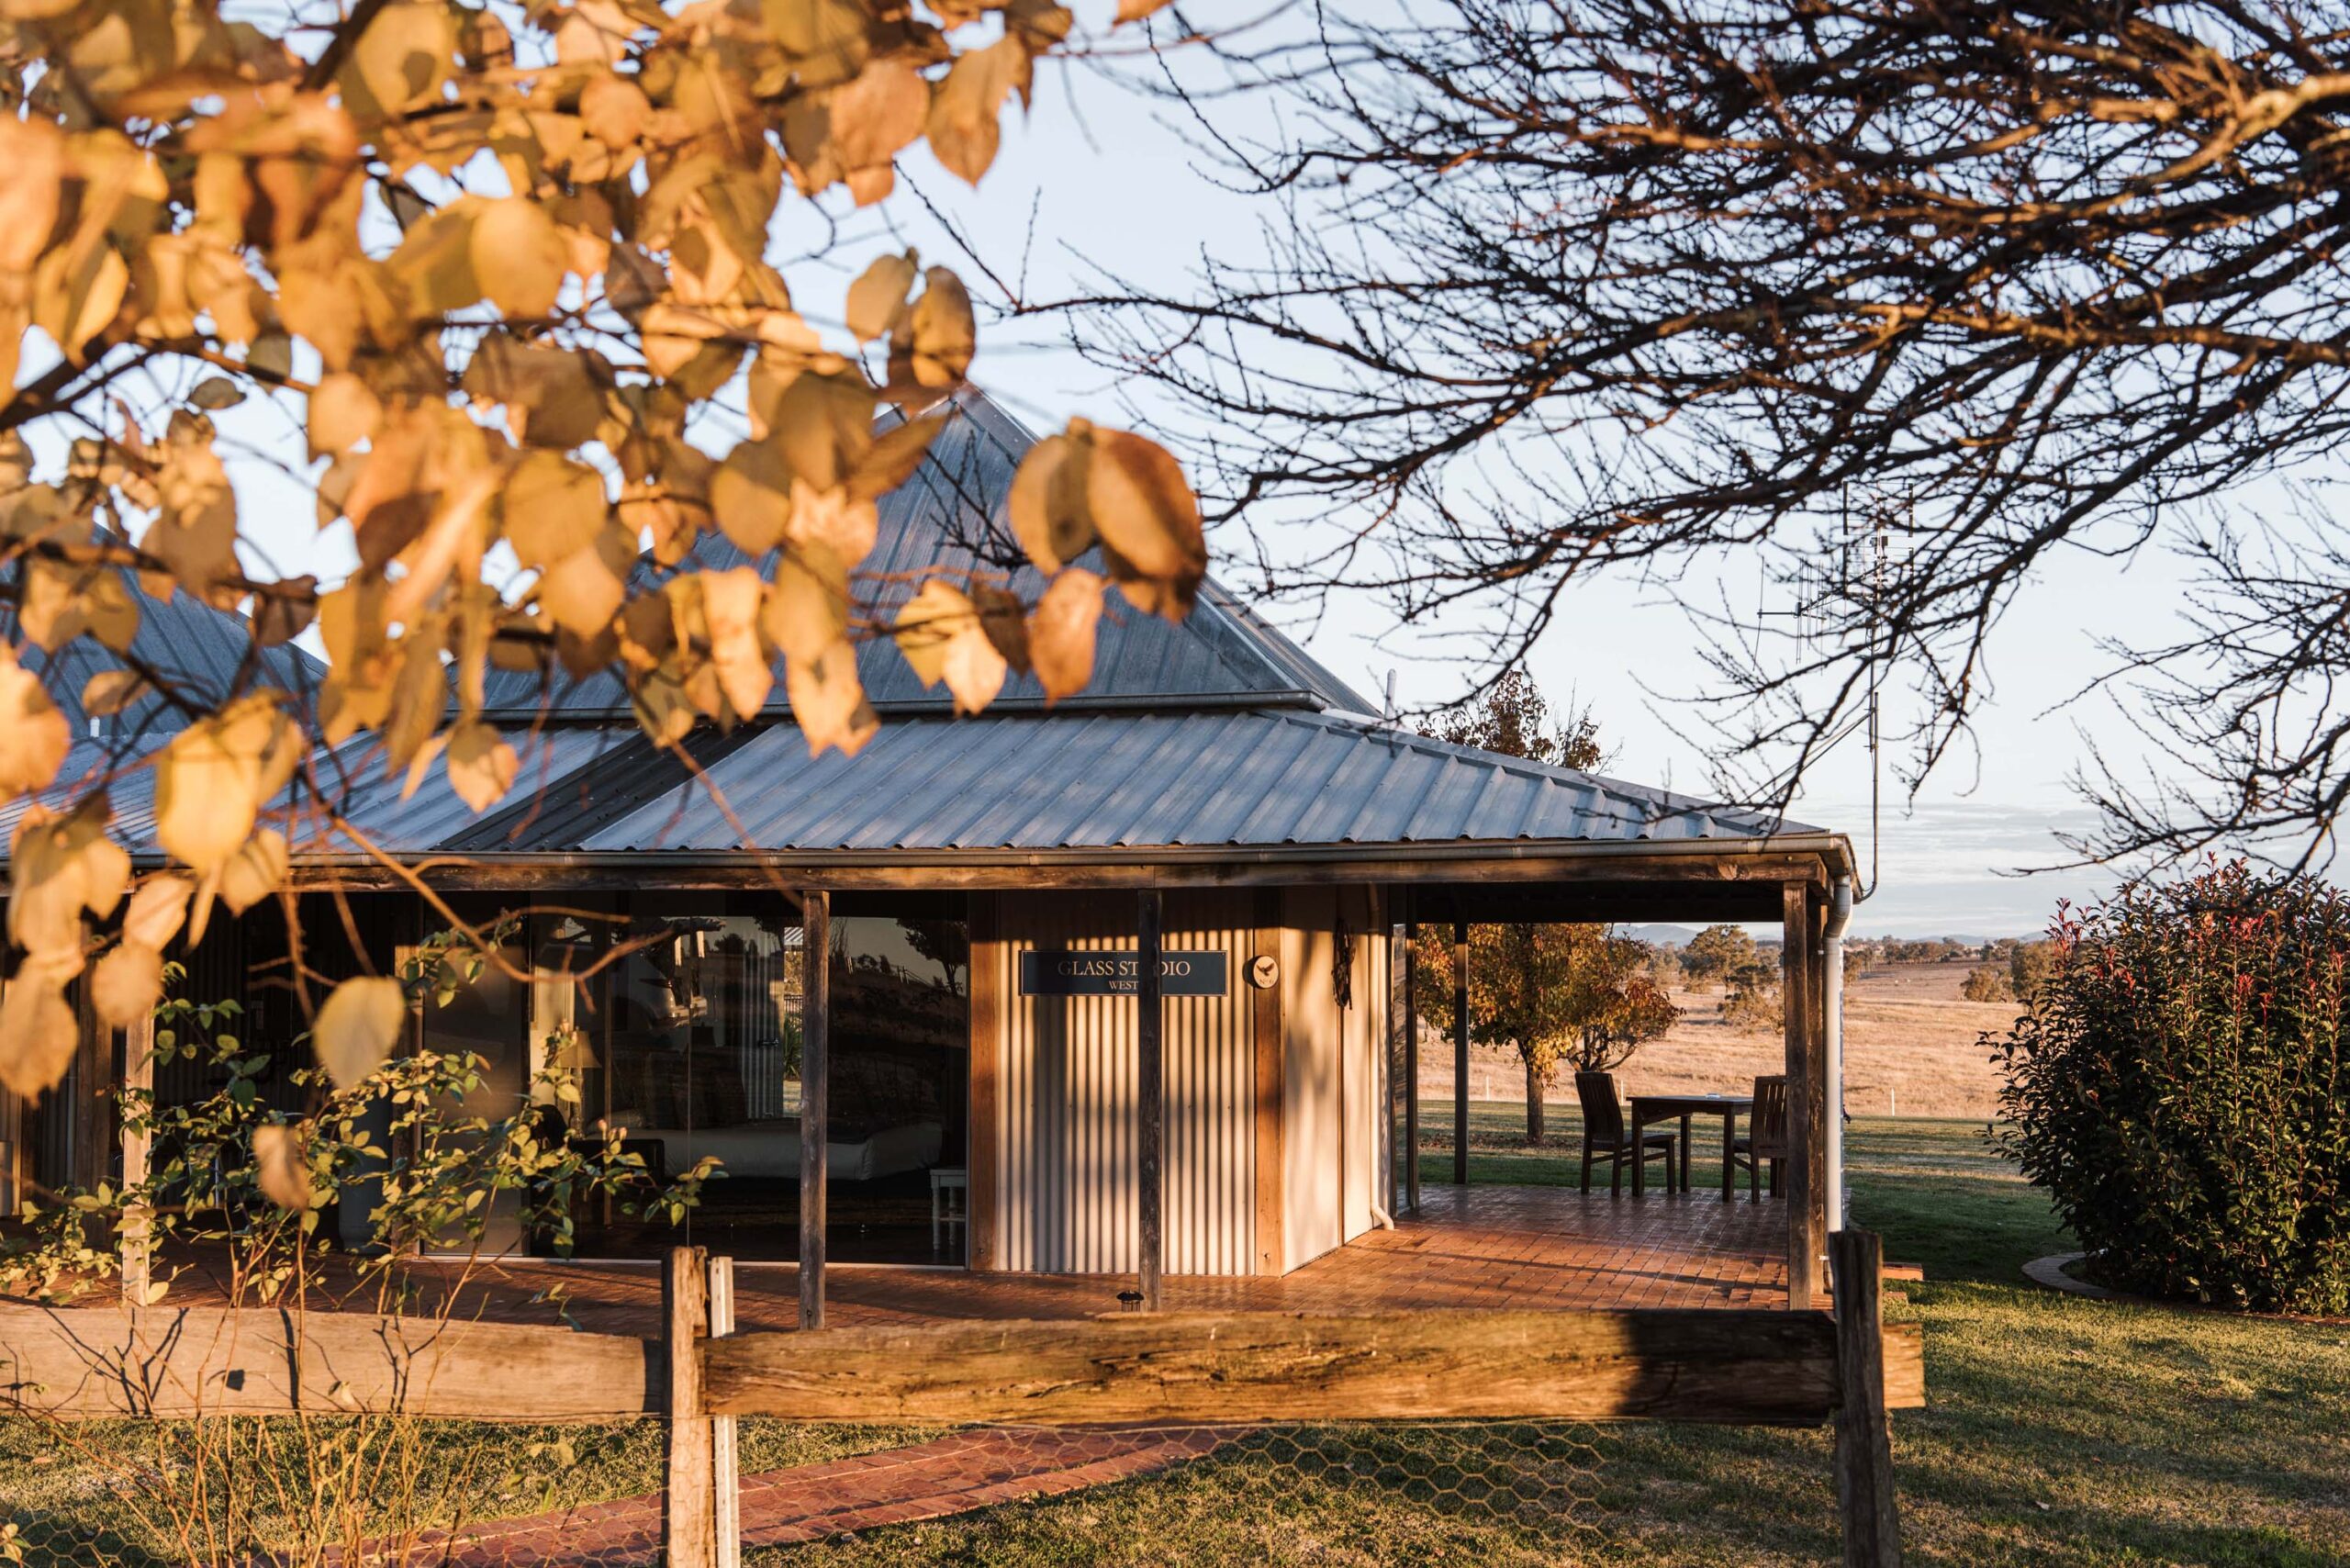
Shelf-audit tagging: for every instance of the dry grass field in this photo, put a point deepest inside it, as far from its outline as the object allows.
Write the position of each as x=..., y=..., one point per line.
x=1911, y=1048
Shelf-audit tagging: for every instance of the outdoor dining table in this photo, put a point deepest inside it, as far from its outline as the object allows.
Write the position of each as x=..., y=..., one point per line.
x=1648, y=1108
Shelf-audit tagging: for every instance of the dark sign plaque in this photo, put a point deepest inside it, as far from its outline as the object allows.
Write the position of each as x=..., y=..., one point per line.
x=1056, y=973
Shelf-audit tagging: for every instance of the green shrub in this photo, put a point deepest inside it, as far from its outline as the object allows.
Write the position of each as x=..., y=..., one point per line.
x=2179, y=1086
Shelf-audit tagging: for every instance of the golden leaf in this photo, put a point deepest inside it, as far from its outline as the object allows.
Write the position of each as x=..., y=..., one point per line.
x=553, y=508
x=877, y=300
x=279, y=1167
x=1148, y=521
x=401, y=60
x=751, y=497
x=896, y=453
x=730, y=608
x=213, y=779
x=519, y=256
x=1062, y=631
x=110, y=692
x=254, y=871
x=343, y=413
x=357, y=1027
x=965, y=112
x=828, y=701
x=127, y=983
x=33, y=151
x=37, y=1031
x=1050, y=515
x=60, y=603
x=939, y=632
x=614, y=110
x=157, y=907
x=33, y=734
x=77, y=290
x=583, y=591
x=940, y=337
x=1135, y=10
x=481, y=765
x=59, y=869
x=807, y=605
x=832, y=521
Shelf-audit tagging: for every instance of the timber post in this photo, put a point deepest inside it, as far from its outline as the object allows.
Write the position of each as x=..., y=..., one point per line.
x=1150, y=1097
x=1459, y=1053
x=725, y=1454
x=1412, y=1049
x=815, y=1099
x=1803, y=1109
x=1864, y=1490
x=138, y=1135
x=688, y=1499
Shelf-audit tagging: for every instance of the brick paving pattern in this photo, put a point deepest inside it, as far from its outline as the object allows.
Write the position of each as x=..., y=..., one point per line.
x=953, y=1475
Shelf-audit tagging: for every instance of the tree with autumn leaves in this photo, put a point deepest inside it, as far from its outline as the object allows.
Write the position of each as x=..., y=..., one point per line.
x=509, y=272
x=1575, y=994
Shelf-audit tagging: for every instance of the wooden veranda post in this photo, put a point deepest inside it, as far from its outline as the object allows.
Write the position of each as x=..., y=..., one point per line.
x=815, y=1080
x=726, y=1474
x=688, y=1531
x=1150, y=1095
x=1803, y=1124
x=1863, y=1445
x=138, y=1074
x=1460, y=1053
x=1412, y=1051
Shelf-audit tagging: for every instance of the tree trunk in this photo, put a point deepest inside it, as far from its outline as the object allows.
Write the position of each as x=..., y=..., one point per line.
x=1533, y=1102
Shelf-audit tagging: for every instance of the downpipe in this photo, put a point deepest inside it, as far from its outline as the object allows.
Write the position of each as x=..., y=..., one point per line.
x=1839, y=918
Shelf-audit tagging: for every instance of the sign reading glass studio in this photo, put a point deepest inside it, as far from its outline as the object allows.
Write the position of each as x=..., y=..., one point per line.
x=1049, y=973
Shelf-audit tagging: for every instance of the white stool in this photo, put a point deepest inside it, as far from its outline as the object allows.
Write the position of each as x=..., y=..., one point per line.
x=950, y=1200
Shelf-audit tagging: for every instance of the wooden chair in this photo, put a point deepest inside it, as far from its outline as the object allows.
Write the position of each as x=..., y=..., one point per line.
x=1604, y=1138
x=1766, y=1137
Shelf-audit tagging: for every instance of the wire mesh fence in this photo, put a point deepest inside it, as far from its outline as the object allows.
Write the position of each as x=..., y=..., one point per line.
x=470, y=1494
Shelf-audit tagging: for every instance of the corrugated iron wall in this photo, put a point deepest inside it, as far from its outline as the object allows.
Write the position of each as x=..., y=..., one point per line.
x=1065, y=1122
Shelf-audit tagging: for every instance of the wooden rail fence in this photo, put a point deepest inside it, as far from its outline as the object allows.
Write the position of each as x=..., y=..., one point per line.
x=1758, y=1367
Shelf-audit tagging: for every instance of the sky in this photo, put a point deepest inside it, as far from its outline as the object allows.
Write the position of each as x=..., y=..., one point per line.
x=1095, y=176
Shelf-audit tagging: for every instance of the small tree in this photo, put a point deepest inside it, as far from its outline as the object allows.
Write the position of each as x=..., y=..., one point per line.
x=2181, y=1085
x=1513, y=718
x=1717, y=953
x=1613, y=992
x=1751, y=994
x=1984, y=983
x=2029, y=966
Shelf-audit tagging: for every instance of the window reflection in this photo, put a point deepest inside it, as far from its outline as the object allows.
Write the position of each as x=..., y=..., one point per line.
x=689, y=1040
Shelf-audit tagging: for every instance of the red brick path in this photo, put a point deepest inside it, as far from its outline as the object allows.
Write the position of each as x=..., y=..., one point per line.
x=953, y=1475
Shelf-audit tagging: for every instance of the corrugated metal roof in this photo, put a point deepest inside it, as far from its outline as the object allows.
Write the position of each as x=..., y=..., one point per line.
x=951, y=516
x=1069, y=781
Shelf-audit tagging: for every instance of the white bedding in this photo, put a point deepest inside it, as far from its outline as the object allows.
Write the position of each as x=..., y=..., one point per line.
x=772, y=1148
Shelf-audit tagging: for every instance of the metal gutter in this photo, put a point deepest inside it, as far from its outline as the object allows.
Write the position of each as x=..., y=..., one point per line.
x=1834, y=848
x=1840, y=920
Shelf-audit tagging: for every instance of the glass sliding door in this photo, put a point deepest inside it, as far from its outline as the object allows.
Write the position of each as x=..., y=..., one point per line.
x=679, y=1015
x=901, y=1076
x=702, y=1060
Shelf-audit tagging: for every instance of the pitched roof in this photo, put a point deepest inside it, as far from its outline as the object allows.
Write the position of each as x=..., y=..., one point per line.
x=1243, y=780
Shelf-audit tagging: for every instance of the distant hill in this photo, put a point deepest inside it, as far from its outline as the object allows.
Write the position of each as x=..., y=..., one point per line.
x=1660, y=936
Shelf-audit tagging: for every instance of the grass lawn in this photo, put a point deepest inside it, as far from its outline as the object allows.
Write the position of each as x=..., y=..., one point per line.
x=2061, y=1430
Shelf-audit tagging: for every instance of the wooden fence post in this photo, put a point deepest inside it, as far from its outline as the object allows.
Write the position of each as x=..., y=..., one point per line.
x=1863, y=1446
x=815, y=1097
x=138, y=1224
x=688, y=1500
x=726, y=1510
